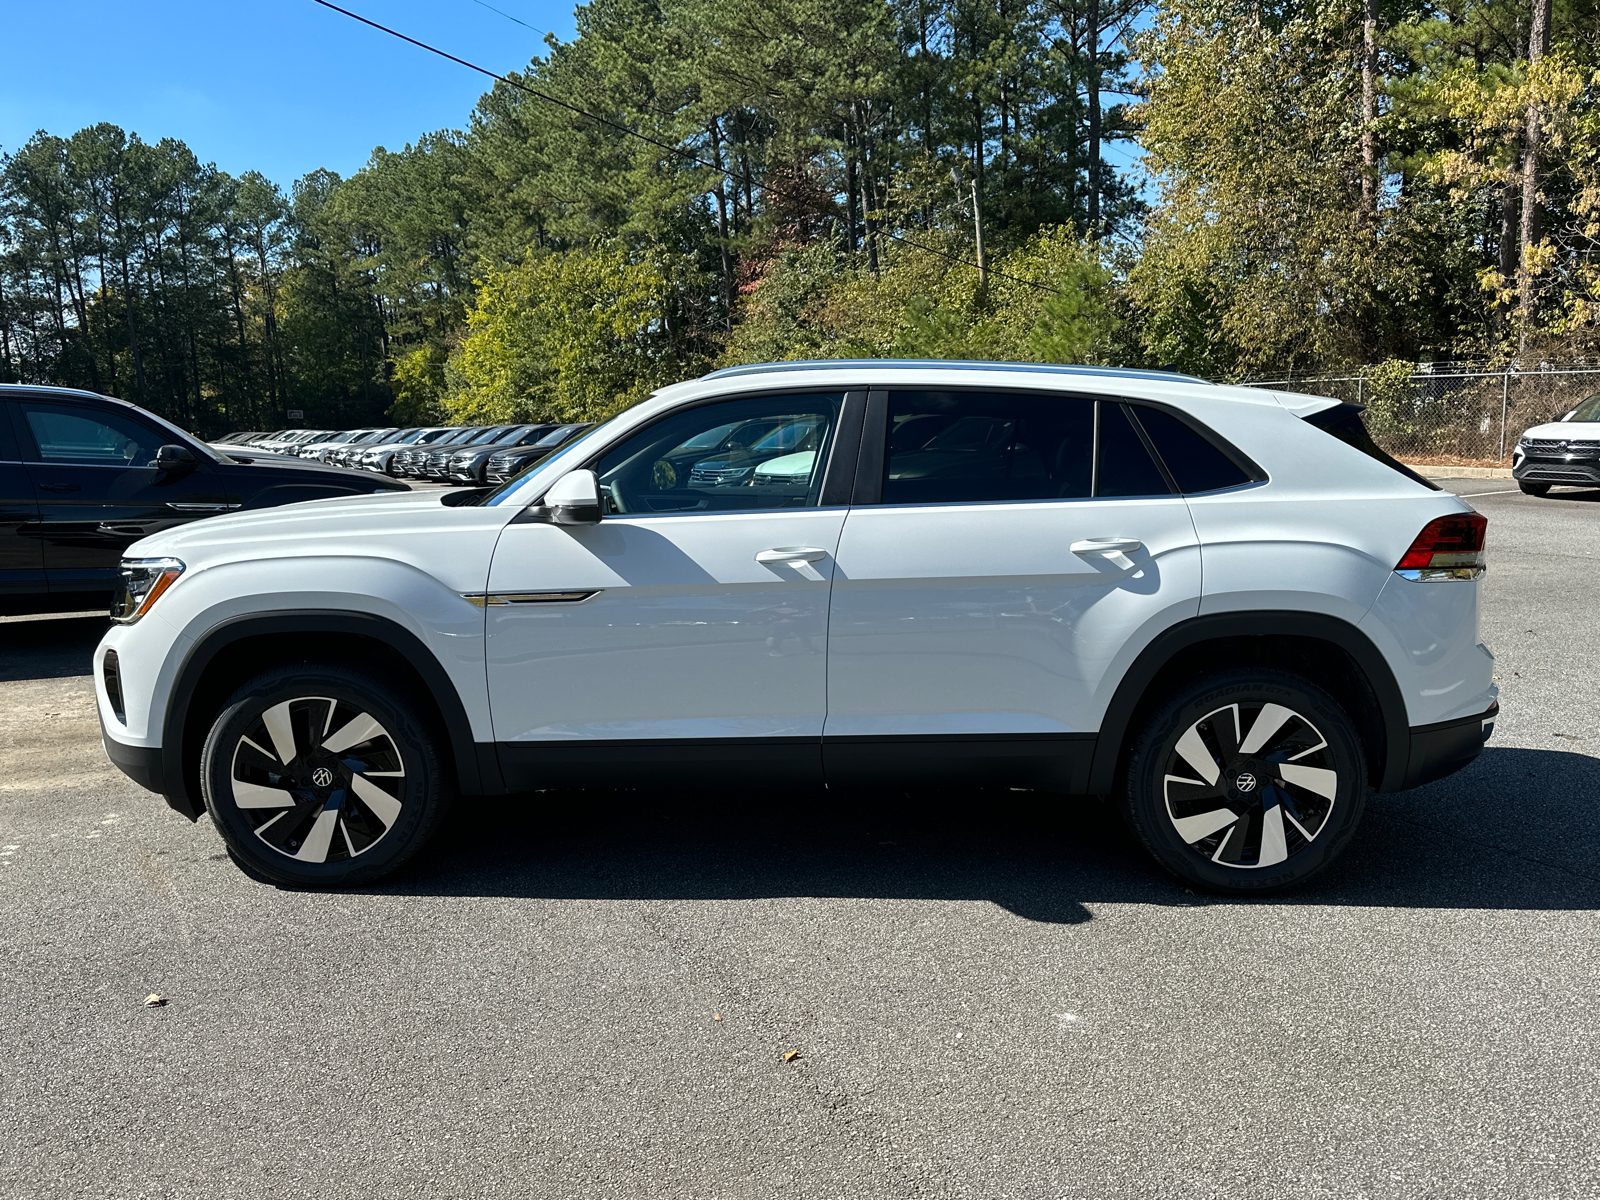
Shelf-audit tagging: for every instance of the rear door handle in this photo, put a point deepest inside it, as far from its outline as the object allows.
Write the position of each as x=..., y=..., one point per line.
x=1107, y=545
x=791, y=554
x=60, y=487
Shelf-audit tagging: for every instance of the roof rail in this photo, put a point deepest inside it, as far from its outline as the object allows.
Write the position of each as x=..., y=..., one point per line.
x=835, y=364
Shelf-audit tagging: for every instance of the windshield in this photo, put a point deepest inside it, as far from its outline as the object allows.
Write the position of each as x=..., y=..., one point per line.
x=711, y=438
x=786, y=437
x=1588, y=409
x=557, y=436
x=183, y=437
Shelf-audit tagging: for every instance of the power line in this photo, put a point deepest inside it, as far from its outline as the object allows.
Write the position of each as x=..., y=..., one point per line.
x=689, y=155
x=509, y=17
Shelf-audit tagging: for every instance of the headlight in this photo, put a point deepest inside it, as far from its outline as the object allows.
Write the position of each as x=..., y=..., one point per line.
x=140, y=585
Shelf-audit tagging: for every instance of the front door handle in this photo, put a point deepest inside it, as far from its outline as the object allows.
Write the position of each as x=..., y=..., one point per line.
x=60, y=487
x=1107, y=545
x=791, y=554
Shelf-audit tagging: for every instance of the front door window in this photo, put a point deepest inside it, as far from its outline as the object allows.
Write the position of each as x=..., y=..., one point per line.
x=734, y=456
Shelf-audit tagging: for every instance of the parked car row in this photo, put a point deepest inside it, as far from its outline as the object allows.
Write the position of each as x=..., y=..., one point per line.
x=472, y=454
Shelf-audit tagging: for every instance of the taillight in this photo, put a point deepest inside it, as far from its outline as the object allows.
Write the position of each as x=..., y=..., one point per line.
x=1448, y=548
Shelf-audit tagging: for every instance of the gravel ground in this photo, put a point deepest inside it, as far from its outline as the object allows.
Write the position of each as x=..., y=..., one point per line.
x=990, y=1000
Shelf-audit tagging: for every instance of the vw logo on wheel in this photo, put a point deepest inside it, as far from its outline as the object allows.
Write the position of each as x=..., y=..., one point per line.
x=1245, y=782
x=322, y=777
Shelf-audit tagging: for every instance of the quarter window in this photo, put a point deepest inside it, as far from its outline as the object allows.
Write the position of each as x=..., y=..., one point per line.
x=757, y=453
x=1194, y=462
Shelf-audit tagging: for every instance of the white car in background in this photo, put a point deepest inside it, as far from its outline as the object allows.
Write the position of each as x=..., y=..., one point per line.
x=322, y=447
x=289, y=441
x=1567, y=450
x=1223, y=606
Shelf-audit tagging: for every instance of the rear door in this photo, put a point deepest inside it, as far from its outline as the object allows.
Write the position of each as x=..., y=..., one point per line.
x=1006, y=554
x=21, y=549
x=99, y=491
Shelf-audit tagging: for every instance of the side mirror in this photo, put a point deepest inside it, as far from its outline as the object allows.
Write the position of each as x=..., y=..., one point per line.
x=574, y=499
x=174, y=458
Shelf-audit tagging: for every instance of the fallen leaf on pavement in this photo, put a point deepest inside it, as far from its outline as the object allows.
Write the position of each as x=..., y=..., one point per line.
x=155, y=1000
x=791, y=1055
x=716, y=1016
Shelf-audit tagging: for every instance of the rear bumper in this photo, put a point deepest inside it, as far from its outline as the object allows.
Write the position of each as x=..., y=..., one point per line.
x=1443, y=749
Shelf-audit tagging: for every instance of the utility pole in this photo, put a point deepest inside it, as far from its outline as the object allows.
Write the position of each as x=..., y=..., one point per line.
x=977, y=225
x=977, y=231
x=1538, y=47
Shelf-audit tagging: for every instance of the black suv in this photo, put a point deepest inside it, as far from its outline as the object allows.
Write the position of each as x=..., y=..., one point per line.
x=83, y=476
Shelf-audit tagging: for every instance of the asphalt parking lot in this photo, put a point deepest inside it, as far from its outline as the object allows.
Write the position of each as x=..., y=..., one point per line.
x=987, y=999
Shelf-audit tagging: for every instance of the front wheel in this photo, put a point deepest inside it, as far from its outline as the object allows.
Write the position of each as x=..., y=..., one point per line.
x=323, y=776
x=1530, y=488
x=1246, y=782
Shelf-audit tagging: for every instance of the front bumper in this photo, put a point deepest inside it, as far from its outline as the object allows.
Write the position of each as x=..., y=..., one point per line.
x=1576, y=469
x=1443, y=749
x=147, y=766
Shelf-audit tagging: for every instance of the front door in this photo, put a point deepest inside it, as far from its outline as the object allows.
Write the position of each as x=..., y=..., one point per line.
x=99, y=490
x=691, y=622
x=21, y=550
x=1008, y=554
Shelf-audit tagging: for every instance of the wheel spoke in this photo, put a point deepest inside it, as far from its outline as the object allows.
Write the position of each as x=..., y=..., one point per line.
x=281, y=729
x=258, y=749
x=1203, y=825
x=1193, y=751
x=253, y=795
x=1274, y=844
x=360, y=729
x=384, y=806
x=1323, y=782
x=315, y=847
x=1268, y=721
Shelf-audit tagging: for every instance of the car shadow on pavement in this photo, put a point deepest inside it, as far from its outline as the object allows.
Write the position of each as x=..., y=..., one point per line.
x=49, y=647
x=1519, y=829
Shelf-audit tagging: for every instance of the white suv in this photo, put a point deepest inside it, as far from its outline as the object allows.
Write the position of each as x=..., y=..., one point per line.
x=1223, y=606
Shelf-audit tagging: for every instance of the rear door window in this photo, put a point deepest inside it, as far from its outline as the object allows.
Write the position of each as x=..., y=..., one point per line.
x=972, y=447
x=969, y=447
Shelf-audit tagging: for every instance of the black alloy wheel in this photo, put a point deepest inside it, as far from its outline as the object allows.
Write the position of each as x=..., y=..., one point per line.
x=323, y=776
x=1246, y=782
x=1532, y=487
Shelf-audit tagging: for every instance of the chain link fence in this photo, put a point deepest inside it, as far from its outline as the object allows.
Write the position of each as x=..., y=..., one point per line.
x=1451, y=418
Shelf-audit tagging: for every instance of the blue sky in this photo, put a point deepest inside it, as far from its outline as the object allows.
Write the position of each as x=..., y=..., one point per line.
x=278, y=86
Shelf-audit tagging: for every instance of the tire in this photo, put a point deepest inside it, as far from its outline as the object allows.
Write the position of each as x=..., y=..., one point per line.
x=1530, y=488
x=1242, y=823
x=300, y=803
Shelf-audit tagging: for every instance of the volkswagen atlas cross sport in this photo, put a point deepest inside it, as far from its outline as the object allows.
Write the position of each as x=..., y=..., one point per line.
x=1224, y=607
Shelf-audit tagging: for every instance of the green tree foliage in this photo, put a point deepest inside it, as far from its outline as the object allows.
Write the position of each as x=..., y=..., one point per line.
x=564, y=337
x=696, y=181
x=1293, y=233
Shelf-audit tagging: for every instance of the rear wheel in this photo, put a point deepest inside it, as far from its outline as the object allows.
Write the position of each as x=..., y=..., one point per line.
x=1532, y=488
x=1246, y=782
x=323, y=776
